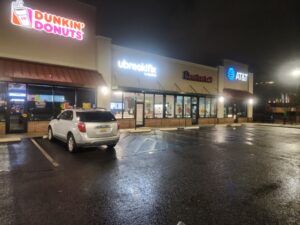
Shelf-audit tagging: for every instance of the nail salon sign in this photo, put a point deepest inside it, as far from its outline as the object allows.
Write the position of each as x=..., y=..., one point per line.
x=42, y=21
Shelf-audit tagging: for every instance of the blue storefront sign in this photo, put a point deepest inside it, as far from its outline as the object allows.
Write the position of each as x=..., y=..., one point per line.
x=233, y=75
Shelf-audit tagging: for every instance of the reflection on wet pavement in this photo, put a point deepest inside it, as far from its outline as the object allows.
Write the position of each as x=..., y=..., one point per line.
x=217, y=175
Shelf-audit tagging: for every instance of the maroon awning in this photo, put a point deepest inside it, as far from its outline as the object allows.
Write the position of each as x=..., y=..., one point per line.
x=23, y=71
x=230, y=93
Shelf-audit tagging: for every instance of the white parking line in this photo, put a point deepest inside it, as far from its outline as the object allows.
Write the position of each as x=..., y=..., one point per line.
x=4, y=159
x=50, y=159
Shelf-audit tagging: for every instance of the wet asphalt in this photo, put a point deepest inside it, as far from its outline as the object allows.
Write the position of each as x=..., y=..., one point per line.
x=217, y=175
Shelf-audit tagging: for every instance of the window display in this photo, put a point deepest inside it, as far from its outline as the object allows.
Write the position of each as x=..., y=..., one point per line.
x=158, y=106
x=116, y=105
x=85, y=98
x=129, y=105
x=207, y=107
x=187, y=107
x=39, y=102
x=179, y=103
x=202, y=107
x=170, y=106
x=213, y=107
x=149, y=105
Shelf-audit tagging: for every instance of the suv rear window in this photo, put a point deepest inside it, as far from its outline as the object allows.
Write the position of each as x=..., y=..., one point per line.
x=95, y=116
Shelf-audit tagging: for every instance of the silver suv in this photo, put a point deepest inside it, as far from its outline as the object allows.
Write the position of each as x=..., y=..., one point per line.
x=85, y=128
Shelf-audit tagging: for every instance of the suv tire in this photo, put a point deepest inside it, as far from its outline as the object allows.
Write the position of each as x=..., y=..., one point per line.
x=50, y=134
x=71, y=144
x=111, y=146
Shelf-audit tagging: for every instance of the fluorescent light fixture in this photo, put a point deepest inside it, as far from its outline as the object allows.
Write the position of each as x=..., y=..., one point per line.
x=13, y=94
x=17, y=100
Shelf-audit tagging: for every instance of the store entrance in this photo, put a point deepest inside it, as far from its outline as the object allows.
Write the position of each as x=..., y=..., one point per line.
x=139, y=114
x=194, y=111
x=16, y=117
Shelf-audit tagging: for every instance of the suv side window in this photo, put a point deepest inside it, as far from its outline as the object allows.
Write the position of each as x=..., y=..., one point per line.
x=67, y=115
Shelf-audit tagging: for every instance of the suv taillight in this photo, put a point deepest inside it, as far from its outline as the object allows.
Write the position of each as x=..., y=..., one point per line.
x=81, y=127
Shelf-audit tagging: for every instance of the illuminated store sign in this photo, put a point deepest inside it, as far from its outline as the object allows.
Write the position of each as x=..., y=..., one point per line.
x=196, y=77
x=42, y=21
x=147, y=69
x=232, y=75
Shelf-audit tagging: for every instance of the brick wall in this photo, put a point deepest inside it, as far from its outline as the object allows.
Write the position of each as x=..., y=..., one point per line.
x=38, y=126
x=225, y=120
x=126, y=123
x=208, y=121
x=243, y=120
x=2, y=128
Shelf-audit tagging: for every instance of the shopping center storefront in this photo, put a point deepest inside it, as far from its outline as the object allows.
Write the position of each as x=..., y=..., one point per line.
x=156, y=91
x=47, y=62
x=51, y=59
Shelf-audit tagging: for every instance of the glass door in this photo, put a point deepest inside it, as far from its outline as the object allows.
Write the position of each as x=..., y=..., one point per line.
x=194, y=111
x=16, y=117
x=139, y=116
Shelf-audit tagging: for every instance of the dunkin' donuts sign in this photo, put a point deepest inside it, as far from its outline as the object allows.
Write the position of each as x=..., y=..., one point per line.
x=42, y=21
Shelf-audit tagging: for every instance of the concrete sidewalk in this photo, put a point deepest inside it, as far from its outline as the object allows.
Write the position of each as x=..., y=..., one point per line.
x=296, y=126
x=17, y=137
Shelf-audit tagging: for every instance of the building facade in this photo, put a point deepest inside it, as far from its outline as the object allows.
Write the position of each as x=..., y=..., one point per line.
x=51, y=59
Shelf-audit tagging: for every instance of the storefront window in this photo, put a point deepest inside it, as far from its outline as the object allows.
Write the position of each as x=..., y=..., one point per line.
x=170, y=106
x=228, y=110
x=213, y=107
x=139, y=97
x=187, y=107
x=207, y=107
x=201, y=107
x=63, y=98
x=158, y=106
x=129, y=105
x=85, y=98
x=241, y=109
x=149, y=105
x=178, y=109
x=3, y=102
x=116, y=105
x=39, y=102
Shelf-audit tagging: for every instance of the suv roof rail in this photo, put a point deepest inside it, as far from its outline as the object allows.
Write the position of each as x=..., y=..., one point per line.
x=101, y=108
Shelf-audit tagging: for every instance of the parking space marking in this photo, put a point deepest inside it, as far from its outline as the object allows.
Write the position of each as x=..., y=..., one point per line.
x=43, y=151
x=4, y=159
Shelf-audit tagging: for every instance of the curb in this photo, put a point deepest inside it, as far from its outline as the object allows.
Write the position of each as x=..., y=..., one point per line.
x=9, y=140
x=140, y=131
x=267, y=125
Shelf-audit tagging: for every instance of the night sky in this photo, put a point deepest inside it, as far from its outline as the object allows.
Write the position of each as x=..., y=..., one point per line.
x=264, y=34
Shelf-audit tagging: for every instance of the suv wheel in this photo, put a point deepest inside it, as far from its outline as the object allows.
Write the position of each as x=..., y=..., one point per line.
x=111, y=146
x=50, y=134
x=71, y=143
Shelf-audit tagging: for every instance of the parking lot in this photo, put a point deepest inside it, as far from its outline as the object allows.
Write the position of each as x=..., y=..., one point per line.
x=213, y=175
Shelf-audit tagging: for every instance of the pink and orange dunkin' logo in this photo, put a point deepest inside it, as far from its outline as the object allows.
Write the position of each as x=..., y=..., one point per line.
x=46, y=22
